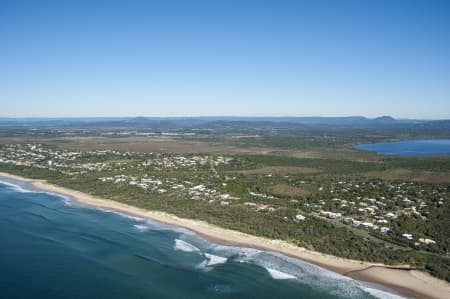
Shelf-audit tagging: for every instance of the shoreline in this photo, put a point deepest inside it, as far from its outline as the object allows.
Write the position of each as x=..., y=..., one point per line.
x=402, y=279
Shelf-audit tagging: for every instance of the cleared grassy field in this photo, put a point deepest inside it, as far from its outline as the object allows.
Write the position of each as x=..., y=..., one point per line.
x=411, y=175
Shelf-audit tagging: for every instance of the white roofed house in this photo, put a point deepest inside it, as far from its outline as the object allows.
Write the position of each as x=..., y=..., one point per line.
x=426, y=241
x=330, y=214
x=300, y=217
x=407, y=236
x=384, y=230
x=224, y=196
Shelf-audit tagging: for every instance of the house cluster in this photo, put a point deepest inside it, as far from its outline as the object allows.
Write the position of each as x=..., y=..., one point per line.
x=164, y=185
x=35, y=154
x=329, y=214
x=261, y=195
x=80, y=162
x=68, y=162
x=201, y=192
x=145, y=134
x=420, y=241
x=167, y=162
x=374, y=205
x=367, y=225
x=260, y=207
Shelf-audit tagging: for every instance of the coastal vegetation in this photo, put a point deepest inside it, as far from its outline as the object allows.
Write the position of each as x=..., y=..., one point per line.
x=365, y=208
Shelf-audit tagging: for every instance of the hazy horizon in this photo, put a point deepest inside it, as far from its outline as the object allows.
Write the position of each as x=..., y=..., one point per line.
x=216, y=116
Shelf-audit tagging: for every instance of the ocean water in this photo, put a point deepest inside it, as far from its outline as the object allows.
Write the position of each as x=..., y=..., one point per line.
x=52, y=247
x=409, y=147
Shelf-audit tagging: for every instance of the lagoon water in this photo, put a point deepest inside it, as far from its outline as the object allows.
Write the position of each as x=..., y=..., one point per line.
x=52, y=247
x=409, y=147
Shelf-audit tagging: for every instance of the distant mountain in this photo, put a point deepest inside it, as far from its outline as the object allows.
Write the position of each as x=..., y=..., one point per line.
x=385, y=119
x=217, y=121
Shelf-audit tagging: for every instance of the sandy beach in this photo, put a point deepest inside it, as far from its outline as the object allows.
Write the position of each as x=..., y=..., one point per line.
x=410, y=283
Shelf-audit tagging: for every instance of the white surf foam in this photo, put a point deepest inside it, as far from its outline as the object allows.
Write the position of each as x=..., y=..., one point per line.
x=211, y=261
x=185, y=246
x=135, y=218
x=131, y=217
x=215, y=259
x=66, y=199
x=280, y=275
x=241, y=254
x=111, y=211
x=281, y=267
x=277, y=265
x=16, y=187
x=381, y=294
x=104, y=210
x=141, y=228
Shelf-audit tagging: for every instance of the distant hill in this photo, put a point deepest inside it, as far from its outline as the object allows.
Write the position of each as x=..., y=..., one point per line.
x=385, y=119
x=217, y=121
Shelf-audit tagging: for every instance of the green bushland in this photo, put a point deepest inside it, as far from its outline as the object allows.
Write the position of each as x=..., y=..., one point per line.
x=313, y=233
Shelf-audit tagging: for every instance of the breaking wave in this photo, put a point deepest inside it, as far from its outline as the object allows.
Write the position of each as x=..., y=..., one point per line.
x=212, y=260
x=67, y=200
x=141, y=228
x=382, y=294
x=185, y=246
x=280, y=267
x=279, y=275
x=16, y=187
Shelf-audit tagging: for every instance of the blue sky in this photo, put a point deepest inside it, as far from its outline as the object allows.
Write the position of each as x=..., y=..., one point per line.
x=225, y=57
